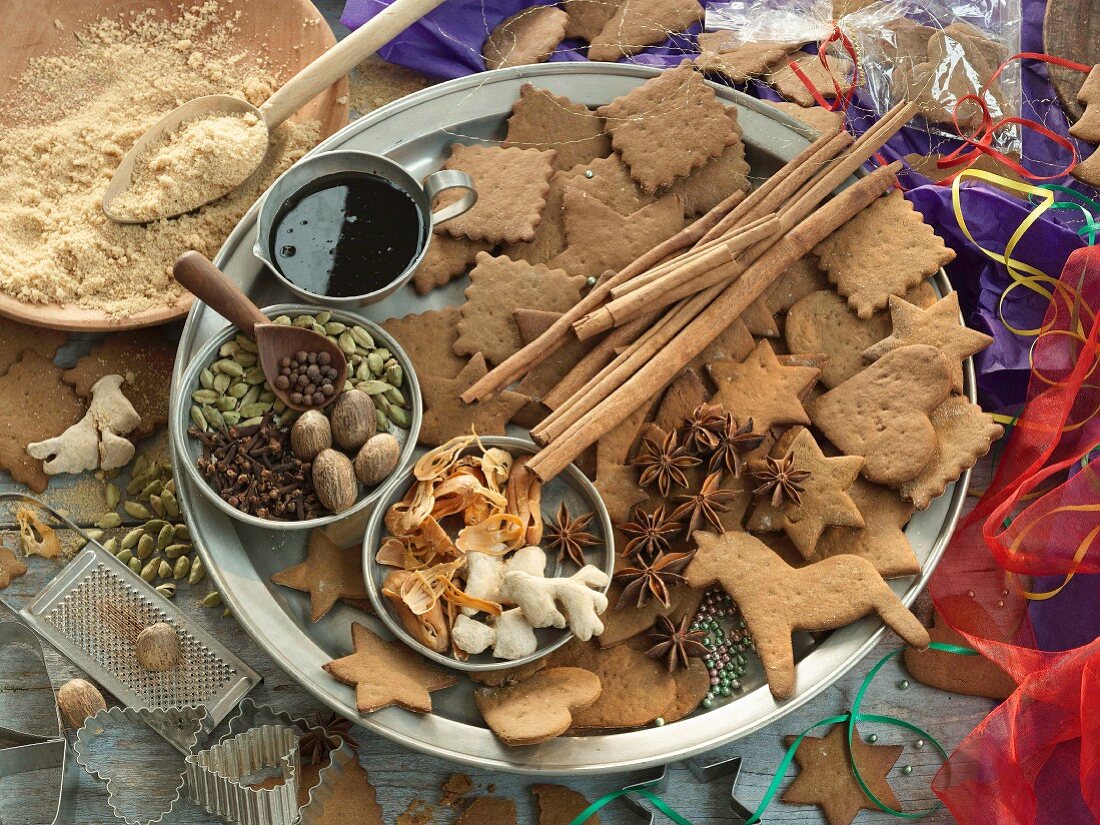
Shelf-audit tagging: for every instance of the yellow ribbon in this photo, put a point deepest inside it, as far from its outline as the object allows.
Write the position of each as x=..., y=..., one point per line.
x=1082, y=549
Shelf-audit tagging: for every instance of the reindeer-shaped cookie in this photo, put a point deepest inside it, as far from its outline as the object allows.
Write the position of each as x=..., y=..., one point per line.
x=776, y=599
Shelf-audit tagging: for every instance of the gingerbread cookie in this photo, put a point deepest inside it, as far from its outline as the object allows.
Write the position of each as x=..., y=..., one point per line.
x=882, y=413
x=588, y=17
x=723, y=53
x=498, y=287
x=531, y=323
x=446, y=259
x=708, y=186
x=11, y=567
x=884, y=250
x=511, y=185
x=668, y=126
x=428, y=339
x=446, y=416
x=620, y=625
x=762, y=389
x=488, y=810
x=692, y=687
x=508, y=676
x=538, y=708
x=968, y=675
x=559, y=805
x=329, y=573
x=820, y=120
x=616, y=479
x=527, y=37
x=804, y=493
x=37, y=405
x=351, y=797
x=776, y=599
x=388, y=673
x=831, y=82
x=549, y=237
x=963, y=435
x=939, y=326
x=683, y=396
x=543, y=120
x=803, y=277
x=17, y=338
x=825, y=777
x=144, y=359
x=823, y=322
x=608, y=181
x=882, y=539
x=637, y=24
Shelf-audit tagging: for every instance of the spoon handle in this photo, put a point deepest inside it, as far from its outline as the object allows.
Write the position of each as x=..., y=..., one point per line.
x=343, y=57
x=211, y=286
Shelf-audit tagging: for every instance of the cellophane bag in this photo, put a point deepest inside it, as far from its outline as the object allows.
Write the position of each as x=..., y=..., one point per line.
x=925, y=50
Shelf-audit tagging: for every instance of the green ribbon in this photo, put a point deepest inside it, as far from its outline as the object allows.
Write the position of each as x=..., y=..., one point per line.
x=849, y=718
x=1087, y=231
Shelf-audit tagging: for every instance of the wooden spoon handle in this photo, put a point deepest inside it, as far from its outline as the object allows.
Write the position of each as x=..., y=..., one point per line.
x=211, y=286
x=343, y=57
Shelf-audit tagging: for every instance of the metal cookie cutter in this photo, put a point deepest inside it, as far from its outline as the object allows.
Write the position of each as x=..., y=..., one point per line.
x=252, y=715
x=219, y=778
x=22, y=752
x=108, y=748
x=726, y=769
x=92, y=612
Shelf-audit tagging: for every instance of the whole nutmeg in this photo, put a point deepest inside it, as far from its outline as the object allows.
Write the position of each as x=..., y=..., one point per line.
x=376, y=459
x=157, y=647
x=334, y=480
x=353, y=420
x=310, y=434
x=79, y=699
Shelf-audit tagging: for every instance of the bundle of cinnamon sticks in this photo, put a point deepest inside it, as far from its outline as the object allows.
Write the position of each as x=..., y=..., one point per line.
x=666, y=307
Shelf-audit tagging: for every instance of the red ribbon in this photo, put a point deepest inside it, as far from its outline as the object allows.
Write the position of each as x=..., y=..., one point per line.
x=843, y=97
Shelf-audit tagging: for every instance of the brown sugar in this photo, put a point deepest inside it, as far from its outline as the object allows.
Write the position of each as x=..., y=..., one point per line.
x=196, y=163
x=66, y=124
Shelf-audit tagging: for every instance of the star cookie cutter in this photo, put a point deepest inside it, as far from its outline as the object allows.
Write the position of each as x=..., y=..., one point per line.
x=178, y=727
x=218, y=778
x=704, y=774
x=251, y=715
x=22, y=752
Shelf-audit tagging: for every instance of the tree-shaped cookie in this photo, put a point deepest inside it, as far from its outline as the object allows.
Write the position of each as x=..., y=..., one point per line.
x=329, y=573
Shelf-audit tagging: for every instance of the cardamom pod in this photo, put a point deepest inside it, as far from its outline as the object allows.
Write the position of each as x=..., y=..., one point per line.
x=149, y=571
x=232, y=418
x=135, y=509
x=151, y=489
x=171, y=506
x=346, y=343
x=395, y=396
x=145, y=547
x=254, y=409
x=206, y=379
x=213, y=599
x=319, y=329
x=222, y=382
x=278, y=406
x=376, y=363
x=245, y=343
x=228, y=348
x=111, y=546
x=213, y=417
x=238, y=390
x=383, y=420
x=226, y=403
x=205, y=396
x=251, y=422
x=394, y=375
x=168, y=590
x=130, y=540
x=165, y=536
x=399, y=417
x=227, y=366
x=362, y=337
x=373, y=387
x=135, y=565
x=304, y=321
x=251, y=393
x=335, y=328
x=384, y=354
x=181, y=568
x=266, y=397
x=362, y=372
x=182, y=533
x=245, y=359
x=255, y=375
x=198, y=572
x=154, y=526
x=322, y=317
x=124, y=556
x=108, y=521
x=164, y=571
x=198, y=419
x=112, y=495
x=282, y=320
x=174, y=551
x=156, y=505
x=170, y=486
x=93, y=534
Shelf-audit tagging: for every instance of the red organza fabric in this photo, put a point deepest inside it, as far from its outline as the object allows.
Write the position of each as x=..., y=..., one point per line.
x=1036, y=758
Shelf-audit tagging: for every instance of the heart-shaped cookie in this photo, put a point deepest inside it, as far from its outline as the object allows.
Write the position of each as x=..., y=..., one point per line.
x=882, y=413
x=540, y=707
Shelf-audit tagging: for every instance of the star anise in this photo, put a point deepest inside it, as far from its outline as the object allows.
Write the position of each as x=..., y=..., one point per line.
x=701, y=430
x=733, y=440
x=664, y=463
x=676, y=644
x=649, y=532
x=568, y=536
x=705, y=505
x=652, y=578
x=782, y=479
x=316, y=744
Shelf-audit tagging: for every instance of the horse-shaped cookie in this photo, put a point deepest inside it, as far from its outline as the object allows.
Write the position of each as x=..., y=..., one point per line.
x=777, y=599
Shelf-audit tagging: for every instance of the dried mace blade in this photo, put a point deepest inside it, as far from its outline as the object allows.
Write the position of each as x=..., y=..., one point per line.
x=705, y=505
x=567, y=535
x=649, y=533
x=652, y=579
x=733, y=442
x=665, y=463
x=700, y=431
x=676, y=643
x=782, y=479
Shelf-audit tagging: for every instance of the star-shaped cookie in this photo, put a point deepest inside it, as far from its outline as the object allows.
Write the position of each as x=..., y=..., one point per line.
x=884, y=250
x=388, y=673
x=762, y=389
x=824, y=500
x=543, y=120
x=11, y=567
x=328, y=573
x=882, y=539
x=939, y=326
x=428, y=339
x=445, y=414
x=825, y=777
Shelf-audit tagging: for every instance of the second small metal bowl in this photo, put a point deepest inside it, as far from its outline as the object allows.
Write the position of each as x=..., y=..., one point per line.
x=570, y=486
x=180, y=418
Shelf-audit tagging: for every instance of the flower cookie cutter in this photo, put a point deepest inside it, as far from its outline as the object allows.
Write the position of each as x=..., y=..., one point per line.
x=22, y=752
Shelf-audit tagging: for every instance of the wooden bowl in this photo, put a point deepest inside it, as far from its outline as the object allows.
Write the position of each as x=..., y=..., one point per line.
x=289, y=34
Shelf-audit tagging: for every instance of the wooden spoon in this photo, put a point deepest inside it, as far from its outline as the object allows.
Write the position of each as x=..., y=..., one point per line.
x=295, y=93
x=273, y=341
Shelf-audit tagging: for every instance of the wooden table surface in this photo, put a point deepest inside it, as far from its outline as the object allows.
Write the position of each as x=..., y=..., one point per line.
x=402, y=776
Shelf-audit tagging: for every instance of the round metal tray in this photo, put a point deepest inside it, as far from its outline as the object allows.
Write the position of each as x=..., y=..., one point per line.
x=417, y=132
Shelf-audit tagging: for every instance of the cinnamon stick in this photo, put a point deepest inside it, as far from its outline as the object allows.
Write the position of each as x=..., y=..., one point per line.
x=595, y=360
x=705, y=327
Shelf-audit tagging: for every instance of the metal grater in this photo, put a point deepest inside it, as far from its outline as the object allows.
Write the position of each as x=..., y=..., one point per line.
x=92, y=612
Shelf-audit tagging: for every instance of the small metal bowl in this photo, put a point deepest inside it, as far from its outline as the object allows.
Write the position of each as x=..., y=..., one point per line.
x=571, y=486
x=180, y=417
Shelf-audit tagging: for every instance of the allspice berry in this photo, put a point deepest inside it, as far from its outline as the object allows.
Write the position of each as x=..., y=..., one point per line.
x=78, y=699
x=310, y=434
x=353, y=420
x=157, y=647
x=334, y=480
x=376, y=459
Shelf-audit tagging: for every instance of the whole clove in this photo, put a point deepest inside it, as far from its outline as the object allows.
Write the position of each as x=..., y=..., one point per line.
x=254, y=470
